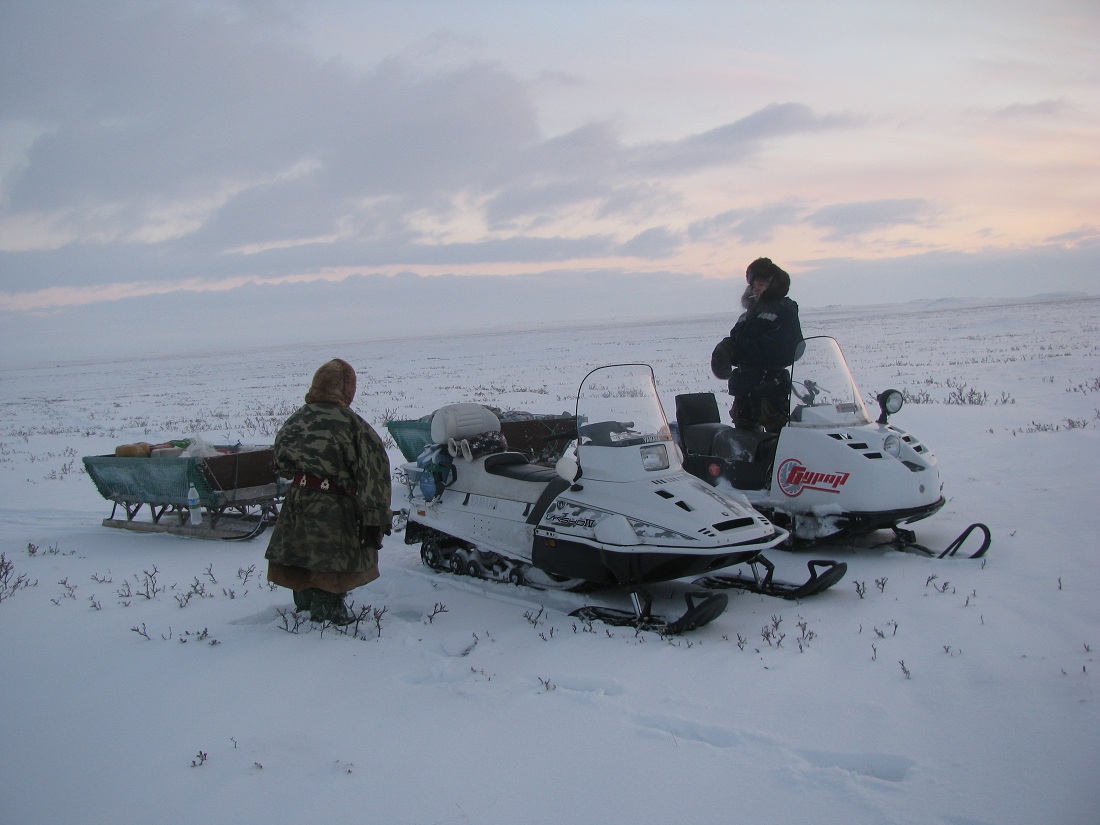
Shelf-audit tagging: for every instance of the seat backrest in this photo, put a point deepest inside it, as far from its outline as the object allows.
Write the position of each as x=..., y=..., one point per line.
x=696, y=408
x=702, y=439
x=460, y=421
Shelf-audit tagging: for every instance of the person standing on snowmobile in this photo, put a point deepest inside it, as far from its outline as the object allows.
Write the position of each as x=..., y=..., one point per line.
x=765, y=341
x=331, y=524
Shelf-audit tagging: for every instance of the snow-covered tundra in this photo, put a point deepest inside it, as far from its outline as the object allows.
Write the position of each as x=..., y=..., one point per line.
x=154, y=678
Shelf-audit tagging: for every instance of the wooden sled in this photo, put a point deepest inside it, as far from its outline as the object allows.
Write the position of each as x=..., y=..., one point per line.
x=239, y=493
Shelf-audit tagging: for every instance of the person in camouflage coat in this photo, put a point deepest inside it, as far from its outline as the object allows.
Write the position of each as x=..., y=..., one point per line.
x=330, y=528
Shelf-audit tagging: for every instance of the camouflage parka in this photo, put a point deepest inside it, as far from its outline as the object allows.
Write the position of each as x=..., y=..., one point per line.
x=329, y=531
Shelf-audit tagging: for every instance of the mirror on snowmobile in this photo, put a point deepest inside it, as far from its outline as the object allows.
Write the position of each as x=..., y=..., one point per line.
x=567, y=466
x=889, y=402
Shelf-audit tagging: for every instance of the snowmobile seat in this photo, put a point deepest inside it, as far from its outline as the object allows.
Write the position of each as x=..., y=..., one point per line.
x=733, y=444
x=700, y=438
x=516, y=465
x=703, y=433
x=697, y=408
x=698, y=422
x=460, y=421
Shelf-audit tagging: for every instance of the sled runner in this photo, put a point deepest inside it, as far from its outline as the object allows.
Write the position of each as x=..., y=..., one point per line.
x=238, y=492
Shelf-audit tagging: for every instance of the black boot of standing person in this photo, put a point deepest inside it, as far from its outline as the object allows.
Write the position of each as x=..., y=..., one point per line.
x=329, y=607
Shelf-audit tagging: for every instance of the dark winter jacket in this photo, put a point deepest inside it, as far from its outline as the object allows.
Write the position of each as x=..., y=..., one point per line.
x=335, y=529
x=767, y=334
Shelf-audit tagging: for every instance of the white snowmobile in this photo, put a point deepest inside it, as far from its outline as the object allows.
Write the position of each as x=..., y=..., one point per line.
x=832, y=471
x=617, y=511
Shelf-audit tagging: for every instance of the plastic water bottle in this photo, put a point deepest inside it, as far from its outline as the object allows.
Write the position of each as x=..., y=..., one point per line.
x=193, y=509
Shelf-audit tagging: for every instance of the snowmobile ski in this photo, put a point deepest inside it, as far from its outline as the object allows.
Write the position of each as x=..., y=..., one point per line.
x=831, y=573
x=703, y=608
x=906, y=541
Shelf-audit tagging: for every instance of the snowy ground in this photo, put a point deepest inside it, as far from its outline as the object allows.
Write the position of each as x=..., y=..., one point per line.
x=214, y=713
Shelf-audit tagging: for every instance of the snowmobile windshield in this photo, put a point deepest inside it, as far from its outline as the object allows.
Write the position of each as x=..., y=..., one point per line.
x=823, y=392
x=618, y=406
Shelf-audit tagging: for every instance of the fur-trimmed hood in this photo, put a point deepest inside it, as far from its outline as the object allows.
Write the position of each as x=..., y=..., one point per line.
x=777, y=282
x=333, y=383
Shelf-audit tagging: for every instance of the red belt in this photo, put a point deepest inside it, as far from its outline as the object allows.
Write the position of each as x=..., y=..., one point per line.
x=318, y=483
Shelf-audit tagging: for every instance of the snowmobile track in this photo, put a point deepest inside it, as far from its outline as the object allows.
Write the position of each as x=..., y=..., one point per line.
x=466, y=573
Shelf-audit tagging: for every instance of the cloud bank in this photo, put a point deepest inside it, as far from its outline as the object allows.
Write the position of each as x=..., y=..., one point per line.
x=272, y=155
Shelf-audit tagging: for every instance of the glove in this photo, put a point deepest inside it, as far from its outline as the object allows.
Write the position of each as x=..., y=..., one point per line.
x=721, y=361
x=372, y=534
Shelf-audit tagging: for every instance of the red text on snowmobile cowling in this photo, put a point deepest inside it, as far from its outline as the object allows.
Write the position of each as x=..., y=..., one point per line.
x=794, y=477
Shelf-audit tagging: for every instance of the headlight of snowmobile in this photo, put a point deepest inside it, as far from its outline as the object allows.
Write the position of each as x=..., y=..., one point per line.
x=655, y=457
x=889, y=402
x=892, y=445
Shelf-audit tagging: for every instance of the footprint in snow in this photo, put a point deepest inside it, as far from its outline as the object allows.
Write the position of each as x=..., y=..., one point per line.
x=886, y=766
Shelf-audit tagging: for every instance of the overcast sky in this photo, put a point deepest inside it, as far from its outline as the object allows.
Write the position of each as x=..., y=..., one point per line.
x=206, y=154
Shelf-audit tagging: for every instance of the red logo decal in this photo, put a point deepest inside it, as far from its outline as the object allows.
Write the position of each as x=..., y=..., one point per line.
x=793, y=478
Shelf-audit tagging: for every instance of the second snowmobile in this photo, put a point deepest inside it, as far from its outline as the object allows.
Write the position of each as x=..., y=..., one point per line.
x=617, y=511
x=833, y=470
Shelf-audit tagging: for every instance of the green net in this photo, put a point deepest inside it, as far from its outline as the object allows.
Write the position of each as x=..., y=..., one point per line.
x=166, y=481
x=411, y=437
x=150, y=480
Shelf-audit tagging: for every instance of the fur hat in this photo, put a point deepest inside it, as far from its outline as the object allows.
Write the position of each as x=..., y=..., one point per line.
x=778, y=281
x=333, y=383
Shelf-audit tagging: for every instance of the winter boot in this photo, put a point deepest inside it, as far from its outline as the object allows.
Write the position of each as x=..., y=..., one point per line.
x=329, y=607
x=303, y=599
